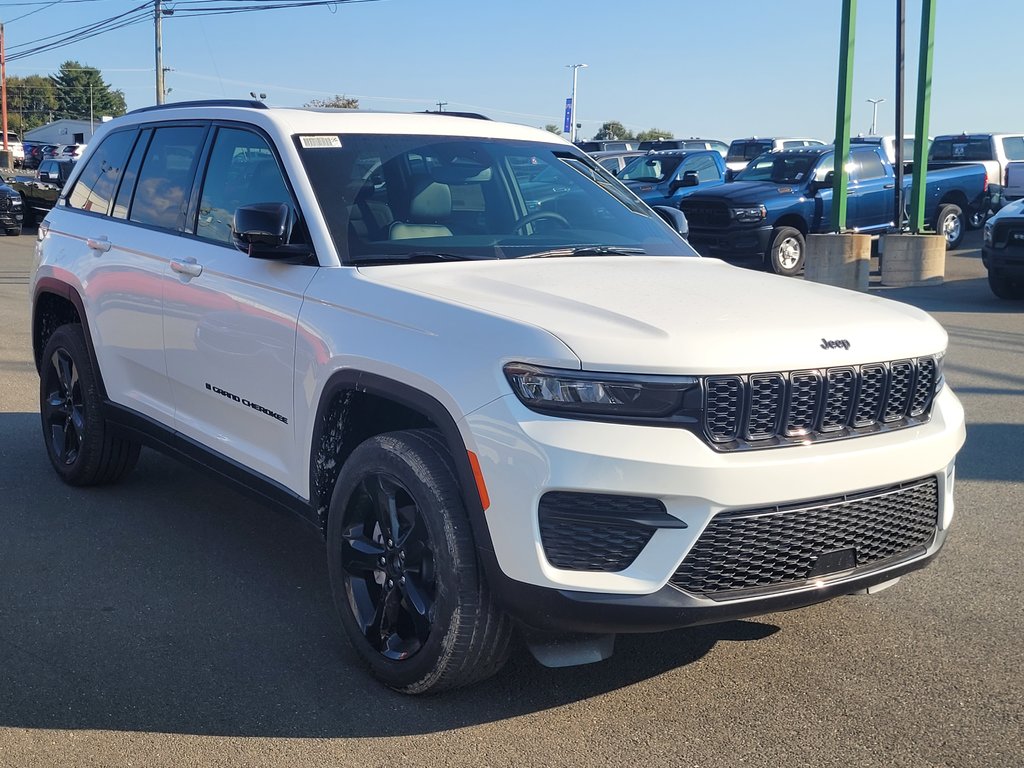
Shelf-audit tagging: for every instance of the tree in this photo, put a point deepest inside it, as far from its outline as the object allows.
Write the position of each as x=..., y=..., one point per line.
x=613, y=129
x=31, y=102
x=335, y=102
x=81, y=93
x=651, y=134
x=552, y=128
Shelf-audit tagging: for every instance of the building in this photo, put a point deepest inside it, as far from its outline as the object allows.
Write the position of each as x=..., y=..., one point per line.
x=64, y=132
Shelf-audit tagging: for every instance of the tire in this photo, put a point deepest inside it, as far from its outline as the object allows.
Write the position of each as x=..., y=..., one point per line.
x=1005, y=287
x=81, y=446
x=14, y=232
x=787, y=251
x=951, y=222
x=976, y=219
x=414, y=604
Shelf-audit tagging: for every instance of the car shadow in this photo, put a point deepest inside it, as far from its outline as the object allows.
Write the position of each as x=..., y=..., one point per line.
x=170, y=604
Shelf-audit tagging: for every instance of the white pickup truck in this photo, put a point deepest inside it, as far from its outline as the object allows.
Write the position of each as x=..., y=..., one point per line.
x=993, y=150
x=1013, y=186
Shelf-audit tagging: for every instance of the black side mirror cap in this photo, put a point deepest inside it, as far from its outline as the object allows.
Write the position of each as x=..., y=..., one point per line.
x=675, y=218
x=262, y=231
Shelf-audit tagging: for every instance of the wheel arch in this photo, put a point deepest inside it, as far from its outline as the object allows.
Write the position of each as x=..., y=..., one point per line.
x=356, y=405
x=793, y=220
x=56, y=303
x=954, y=197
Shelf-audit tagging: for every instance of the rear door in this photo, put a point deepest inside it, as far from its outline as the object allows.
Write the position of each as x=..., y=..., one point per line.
x=872, y=187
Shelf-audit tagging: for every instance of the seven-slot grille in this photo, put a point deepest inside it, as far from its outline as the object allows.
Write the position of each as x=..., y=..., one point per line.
x=781, y=548
x=771, y=409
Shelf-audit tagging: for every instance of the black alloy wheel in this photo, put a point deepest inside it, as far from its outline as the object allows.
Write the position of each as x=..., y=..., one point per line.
x=389, y=566
x=63, y=409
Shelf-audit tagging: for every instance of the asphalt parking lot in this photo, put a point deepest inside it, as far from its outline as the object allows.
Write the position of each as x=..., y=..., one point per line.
x=169, y=621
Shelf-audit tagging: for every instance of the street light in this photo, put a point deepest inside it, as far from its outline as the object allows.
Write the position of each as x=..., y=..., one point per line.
x=573, y=128
x=874, y=113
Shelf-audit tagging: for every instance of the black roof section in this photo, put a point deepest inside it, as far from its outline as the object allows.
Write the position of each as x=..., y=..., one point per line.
x=247, y=103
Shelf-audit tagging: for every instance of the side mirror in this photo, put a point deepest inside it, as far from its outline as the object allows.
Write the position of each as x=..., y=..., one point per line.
x=262, y=230
x=730, y=174
x=826, y=183
x=675, y=218
x=691, y=179
x=51, y=176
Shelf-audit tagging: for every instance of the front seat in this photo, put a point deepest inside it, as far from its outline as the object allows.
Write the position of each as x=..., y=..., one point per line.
x=429, y=207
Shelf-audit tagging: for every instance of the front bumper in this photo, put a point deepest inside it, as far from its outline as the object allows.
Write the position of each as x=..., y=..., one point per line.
x=524, y=455
x=1004, y=261
x=733, y=245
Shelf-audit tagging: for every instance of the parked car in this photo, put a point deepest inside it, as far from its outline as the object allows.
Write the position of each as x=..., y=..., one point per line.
x=742, y=151
x=1013, y=186
x=16, y=149
x=888, y=145
x=781, y=197
x=11, y=214
x=692, y=143
x=666, y=177
x=39, y=194
x=616, y=160
x=558, y=421
x=73, y=151
x=1002, y=251
x=606, y=145
x=51, y=151
x=993, y=150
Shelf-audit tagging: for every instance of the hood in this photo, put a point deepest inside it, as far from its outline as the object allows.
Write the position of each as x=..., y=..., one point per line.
x=677, y=315
x=753, y=191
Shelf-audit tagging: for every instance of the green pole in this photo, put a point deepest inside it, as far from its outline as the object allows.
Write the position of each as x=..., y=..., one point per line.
x=924, y=99
x=843, y=99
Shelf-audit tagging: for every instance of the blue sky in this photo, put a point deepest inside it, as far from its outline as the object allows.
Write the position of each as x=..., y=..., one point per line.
x=719, y=70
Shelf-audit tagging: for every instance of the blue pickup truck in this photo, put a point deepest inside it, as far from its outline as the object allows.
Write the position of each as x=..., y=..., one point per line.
x=666, y=177
x=781, y=197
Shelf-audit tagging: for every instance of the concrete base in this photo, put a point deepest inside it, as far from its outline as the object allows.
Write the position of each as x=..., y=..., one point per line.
x=840, y=260
x=6, y=158
x=914, y=260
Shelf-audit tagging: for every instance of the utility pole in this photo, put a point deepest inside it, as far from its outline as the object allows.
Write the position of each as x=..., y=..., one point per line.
x=157, y=16
x=441, y=105
x=573, y=128
x=3, y=92
x=874, y=114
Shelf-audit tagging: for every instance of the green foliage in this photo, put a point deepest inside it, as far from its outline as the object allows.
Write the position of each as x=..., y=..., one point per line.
x=81, y=93
x=613, y=129
x=31, y=102
x=552, y=128
x=335, y=102
x=651, y=134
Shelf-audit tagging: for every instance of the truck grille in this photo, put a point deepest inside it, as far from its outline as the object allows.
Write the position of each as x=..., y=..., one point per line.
x=705, y=213
x=1009, y=234
x=778, y=548
x=772, y=409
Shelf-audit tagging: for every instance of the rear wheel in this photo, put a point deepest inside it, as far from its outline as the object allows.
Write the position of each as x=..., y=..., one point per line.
x=786, y=252
x=79, y=442
x=403, y=568
x=951, y=223
x=1005, y=287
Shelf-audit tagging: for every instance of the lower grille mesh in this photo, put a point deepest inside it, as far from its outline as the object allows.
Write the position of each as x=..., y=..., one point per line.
x=762, y=548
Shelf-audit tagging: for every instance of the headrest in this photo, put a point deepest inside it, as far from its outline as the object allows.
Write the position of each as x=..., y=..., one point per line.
x=430, y=201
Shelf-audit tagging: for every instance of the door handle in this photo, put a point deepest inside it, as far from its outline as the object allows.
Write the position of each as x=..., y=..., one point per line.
x=889, y=186
x=100, y=243
x=187, y=269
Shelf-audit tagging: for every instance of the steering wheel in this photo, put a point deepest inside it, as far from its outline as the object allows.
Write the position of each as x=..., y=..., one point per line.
x=538, y=216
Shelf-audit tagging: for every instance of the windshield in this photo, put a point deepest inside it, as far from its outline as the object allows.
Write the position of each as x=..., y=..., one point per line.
x=402, y=198
x=652, y=169
x=785, y=168
x=740, y=151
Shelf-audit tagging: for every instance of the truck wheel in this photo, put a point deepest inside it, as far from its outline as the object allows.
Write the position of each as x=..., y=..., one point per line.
x=786, y=253
x=81, y=446
x=951, y=224
x=14, y=231
x=976, y=220
x=404, y=575
x=1005, y=287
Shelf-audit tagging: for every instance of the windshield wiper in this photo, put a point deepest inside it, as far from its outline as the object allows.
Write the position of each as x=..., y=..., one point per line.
x=585, y=250
x=415, y=257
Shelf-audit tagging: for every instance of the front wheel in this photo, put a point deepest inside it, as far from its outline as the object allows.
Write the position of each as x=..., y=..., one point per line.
x=1005, y=287
x=403, y=568
x=951, y=223
x=14, y=231
x=787, y=251
x=79, y=442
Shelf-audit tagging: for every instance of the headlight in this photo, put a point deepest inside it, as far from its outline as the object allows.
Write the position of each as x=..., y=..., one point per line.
x=749, y=213
x=609, y=395
x=987, y=233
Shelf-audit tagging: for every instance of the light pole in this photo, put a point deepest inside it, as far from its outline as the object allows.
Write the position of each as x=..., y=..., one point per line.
x=874, y=113
x=573, y=129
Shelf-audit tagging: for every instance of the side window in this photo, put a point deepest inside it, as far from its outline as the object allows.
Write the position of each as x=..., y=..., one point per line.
x=792, y=144
x=242, y=171
x=704, y=166
x=1013, y=147
x=165, y=179
x=866, y=165
x=95, y=186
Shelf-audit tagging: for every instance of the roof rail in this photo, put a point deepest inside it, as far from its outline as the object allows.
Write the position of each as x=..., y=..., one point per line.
x=248, y=103
x=472, y=115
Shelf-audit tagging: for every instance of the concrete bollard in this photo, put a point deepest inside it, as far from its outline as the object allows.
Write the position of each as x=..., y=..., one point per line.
x=913, y=260
x=840, y=260
x=6, y=158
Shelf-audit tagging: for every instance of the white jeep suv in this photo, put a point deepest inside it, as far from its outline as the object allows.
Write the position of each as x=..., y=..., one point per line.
x=508, y=393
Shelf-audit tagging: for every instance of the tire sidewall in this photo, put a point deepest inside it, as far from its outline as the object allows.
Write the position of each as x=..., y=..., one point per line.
x=945, y=211
x=381, y=455
x=775, y=262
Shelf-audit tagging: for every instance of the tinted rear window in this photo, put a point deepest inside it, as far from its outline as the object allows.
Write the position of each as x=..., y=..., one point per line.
x=95, y=186
x=963, y=148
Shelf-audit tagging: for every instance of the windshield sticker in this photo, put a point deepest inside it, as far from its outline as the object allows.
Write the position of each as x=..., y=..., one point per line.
x=320, y=142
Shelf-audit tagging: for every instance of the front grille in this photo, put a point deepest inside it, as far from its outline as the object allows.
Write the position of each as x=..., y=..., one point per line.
x=597, y=532
x=774, y=549
x=1009, y=232
x=772, y=409
x=705, y=213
